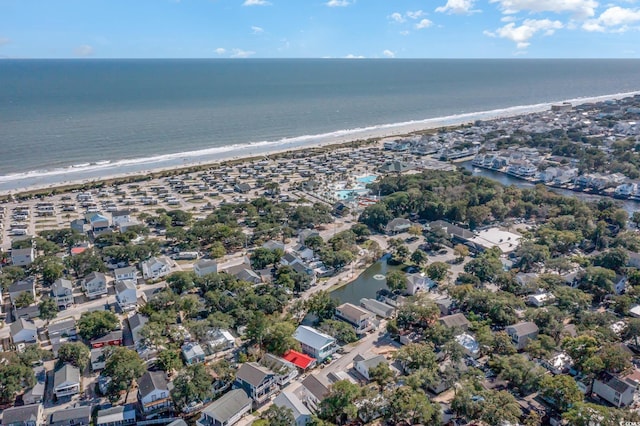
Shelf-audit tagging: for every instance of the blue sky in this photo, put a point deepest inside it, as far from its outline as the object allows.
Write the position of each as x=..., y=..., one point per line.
x=319, y=28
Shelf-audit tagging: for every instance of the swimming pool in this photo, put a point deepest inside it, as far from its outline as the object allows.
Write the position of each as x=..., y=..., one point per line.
x=367, y=179
x=345, y=194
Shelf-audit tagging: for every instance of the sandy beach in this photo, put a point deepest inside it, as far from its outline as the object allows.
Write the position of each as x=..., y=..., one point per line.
x=92, y=173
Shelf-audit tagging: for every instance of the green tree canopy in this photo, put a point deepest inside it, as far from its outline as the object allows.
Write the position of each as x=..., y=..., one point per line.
x=96, y=324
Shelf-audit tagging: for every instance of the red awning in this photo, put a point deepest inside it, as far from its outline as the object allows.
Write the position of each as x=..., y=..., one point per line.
x=299, y=360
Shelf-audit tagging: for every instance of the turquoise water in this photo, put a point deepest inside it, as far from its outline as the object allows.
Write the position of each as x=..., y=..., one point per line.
x=345, y=194
x=367, y=179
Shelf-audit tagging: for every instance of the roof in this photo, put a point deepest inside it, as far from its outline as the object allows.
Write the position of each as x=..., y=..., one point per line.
x=615, y=383
x=398, y=222
x=374, y=361
x=253, y=373
x=291, y=401
x=20, y=286
x=124, y=271
x=66, y=374
x=120, y=213
x=206, y=263
x=26, y=413
x=61, y=283
x=353, y=312
x=312, y=337
x=298, y=359
x=63, y=325
x=22, y=324
x=70, y=413
x=178, y=422
x=523, y=328
x=137, y=320
x=451, y=229
x=114, y=335
x=315, y=386
x=228, y=406
x=468, y=342
x=276, y=364
x=22, y=252
x=192, y=350
x=99, y=275
x=151, y=381
x=455, y=320
x=124, y=285
x=78, y=250
x=115, y=414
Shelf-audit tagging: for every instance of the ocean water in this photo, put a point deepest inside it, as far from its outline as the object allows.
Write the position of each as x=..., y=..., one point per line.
x=79, y=117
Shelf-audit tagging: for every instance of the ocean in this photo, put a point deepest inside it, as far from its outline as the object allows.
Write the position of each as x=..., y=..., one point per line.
x=82, y=119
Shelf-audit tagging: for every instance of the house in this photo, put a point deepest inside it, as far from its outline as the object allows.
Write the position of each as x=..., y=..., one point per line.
x=279, y=245
x=301, y=414
x=26, y=415
x=28, y=312
x=127, y=273
x=71, y=416
x=78, y=225
x=364, y=364
x=257, y=381
x=617, y=391
x=126, y=295
x=35, y=395
x=23, y=331
x=284, y=369
x=62, y=293
x=540, y=299
x=244, y=273
x=458, y=321
x=95, y=285
x=153, y=393
x=111, y=339
x=66, y=381
x=98, y=359
x=560, y=363
x=61, y=331
x=227, y=410
x=418, y=282
x=303, y=235
x=178, y=422
x=205, y=267
x=315, y=343
x=136, y=322
x=220, y=340
x=469, y=344
x=361, y=319
x=316, y=388
x=300, y=360
x=521, y=333
x=97, y=221
x=121, y=415
x=192, y=353
x=155, y=268
x=19, y=287
x=23, y=257
x=289, y=259
x=397, y=226
x=445, y=305
x=242, y=188
x=379, y=308
x=526, y=279
x=120, y=217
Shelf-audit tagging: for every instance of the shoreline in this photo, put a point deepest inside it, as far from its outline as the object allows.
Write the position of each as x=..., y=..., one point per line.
x=102, y=173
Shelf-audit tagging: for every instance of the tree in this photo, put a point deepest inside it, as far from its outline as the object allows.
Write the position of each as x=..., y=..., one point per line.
x=278, y=416
x=615, y=259
x=123, y=366
x=381, y=374
x=438, y=271
x=589, y=414
x=598, y=281
x=74, y=353
x=52, y=269
x=14, y=378
x=217, y=250
x=530, y=254
x=419, y=257
x=415, y=230
x=499, y=408
x=181, y=281
x=338, y=406
x=417, y=356
x=396, y=281
x=340, y=330
x=580, y=348
x=486, y=266
x=562, y=390
x=48, y=308
x=169, y=360
x=615, y=359
x=192, y=385
x=376, y=216
x=279, y=339
x=96, y=324
x=414, y=407
x=521, y=373
x=461, y=250
x=24, y=299
x=263, y=257
x=321, y=305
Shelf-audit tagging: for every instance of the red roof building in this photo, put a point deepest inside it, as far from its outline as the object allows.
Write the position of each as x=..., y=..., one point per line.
x=300, y=360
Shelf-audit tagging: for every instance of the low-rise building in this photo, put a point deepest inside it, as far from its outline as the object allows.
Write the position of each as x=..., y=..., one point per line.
x=23, y=331
x=458, y=321
x=153, y=393
x=617, y=391
x=23, y=257
x=71, y=416
x=62, y=293
x=397, y=226
x=205, y=267
x=315, y=343
x=469, y=344
x=113, y=338
x=379, y=308
x=285, y=370
x=316, y=388
x=301, y=414
x=20, y=287
x=227, y=410
x=26, y=415
x=361, y=319
x=126, y=295
x=95, y=285
x=155, y=268
x=66, y=381
x=192, y=353
x=116, y=416
x=364, y=363
x=257, y=381
x=126, y=273
x=522, y=333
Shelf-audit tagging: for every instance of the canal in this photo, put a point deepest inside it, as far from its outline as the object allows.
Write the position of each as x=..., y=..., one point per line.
x=629, y=205
x=366, y=285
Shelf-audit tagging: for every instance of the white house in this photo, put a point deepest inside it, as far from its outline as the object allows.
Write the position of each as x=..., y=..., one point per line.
x=23, y=331
x=120, y=217
x=19, y=287
x=66, y=381
x=62, y=293
x=364, y=364
x=205, y=267
x=155, y=268
x=153, y=392
x=540, y=299
x=289, y=400
x=126, y=295
x=315, y=343
x=361, y=319
x=95, y=285
x=619, y=392
x=127, y=273
x=23, y=257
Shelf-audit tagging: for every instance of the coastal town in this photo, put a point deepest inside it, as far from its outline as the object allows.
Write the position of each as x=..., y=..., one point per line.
x=209, y=296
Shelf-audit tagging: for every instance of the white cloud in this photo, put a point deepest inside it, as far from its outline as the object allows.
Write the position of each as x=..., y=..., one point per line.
x=415, y=14
x=337, y=3
x=458, y=7
x=425, y=23
x=256, y=3
x=397, y=17
x=615, y=18
x=404, y=33
x=352, y=56
x=577, y=8
x=257, y=30
x=83, y=50
x=508, y=18
x=523, y=33
x=389, y=53
x=221, y=51
x=239, y=53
